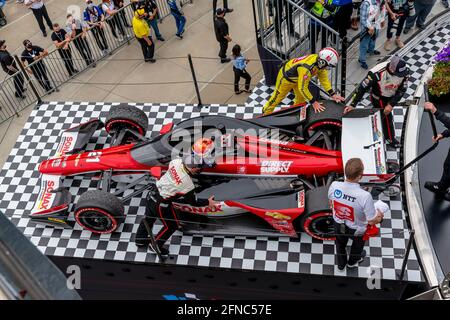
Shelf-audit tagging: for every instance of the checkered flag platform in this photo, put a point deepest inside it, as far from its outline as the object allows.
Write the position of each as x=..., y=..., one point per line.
x=19, y=187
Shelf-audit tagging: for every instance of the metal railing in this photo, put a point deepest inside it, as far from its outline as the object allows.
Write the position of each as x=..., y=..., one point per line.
x=288, y=30
x=32, y=82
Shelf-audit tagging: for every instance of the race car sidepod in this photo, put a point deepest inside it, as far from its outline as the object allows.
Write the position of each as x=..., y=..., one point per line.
x=52, y=204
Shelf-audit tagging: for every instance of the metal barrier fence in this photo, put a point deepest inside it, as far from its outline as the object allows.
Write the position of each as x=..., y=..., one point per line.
x=287, y=30
x=38, y=79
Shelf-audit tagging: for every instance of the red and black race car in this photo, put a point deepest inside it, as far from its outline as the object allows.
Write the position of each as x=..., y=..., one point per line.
x=270, y=173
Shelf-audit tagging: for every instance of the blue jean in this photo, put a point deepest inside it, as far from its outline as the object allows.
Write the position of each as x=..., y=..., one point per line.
x=180, y=21
x=422, y=12
x=154, y=24
x=367, y=45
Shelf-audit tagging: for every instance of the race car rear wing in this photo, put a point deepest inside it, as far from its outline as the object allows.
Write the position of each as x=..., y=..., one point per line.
x=52, y=204
x=362, y=137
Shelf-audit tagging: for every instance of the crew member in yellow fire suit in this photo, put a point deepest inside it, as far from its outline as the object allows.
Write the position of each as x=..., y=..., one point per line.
x=296, y=75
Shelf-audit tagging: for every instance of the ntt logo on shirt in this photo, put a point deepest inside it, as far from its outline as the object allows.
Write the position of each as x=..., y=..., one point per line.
x=337, y=194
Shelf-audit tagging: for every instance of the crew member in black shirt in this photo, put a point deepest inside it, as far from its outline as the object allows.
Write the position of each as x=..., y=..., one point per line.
x=222, y=34
x=33, y=56
x=62, y=39
x=443, y=185
x=11, y=68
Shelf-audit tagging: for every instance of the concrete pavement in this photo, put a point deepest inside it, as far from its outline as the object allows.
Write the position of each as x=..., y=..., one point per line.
x=124, y=77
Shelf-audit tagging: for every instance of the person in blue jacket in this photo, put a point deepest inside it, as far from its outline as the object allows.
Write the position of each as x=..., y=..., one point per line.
x=180, y=19
x=95, y=19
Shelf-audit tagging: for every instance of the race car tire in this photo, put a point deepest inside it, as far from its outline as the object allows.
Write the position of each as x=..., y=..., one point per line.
x=124, y=116
x=331, y=117
x=317, y=220
x=99, y=212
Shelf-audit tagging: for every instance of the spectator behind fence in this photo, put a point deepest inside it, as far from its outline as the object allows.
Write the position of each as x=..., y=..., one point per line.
x=225, y=7
x=62, y=40
x=324, y=11
x=40, y=13
x=372, y=21
x=353, y=211
x=398, y=11
x=78, y=31
x=355, y=14
x=142, y=33
x=239, y=68
x=10, y=67
x=222, y=34
x=422, y=9
x=118, y=5
x=95, y=19
x=151, y=7
x=33, y=56
x=112, y=19
x=152, y=11
x=180, y=19
x=342, y=18
x=278, y=5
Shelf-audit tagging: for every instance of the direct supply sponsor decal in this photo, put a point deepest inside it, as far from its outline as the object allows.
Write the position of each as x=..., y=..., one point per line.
x=274, y=167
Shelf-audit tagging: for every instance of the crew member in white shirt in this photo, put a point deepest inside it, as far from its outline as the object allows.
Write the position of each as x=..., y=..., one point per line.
x=353, y=210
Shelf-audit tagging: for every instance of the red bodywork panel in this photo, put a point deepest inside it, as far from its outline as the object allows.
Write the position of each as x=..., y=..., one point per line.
x=281, y=158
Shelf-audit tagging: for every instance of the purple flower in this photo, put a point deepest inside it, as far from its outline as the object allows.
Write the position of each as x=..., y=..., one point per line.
x=443, y=56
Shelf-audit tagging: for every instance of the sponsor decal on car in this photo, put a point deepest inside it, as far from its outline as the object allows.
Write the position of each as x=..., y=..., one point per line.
x=274, y=167
x=301, y=199
x=380, y=168
x=303, y=112
x=56, y=220
x=274, y=141
x=65, y=145
x=278, y=216
x=242, y=170
x=45, y=198
x=376, y=130
x=200, y=210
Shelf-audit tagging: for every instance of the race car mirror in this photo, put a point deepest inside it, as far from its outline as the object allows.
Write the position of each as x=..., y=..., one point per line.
x=166, y=128
x=156, y=172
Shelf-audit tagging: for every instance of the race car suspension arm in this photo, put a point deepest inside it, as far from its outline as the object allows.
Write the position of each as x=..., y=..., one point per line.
x=148, y=184
x=316, y=136
x=119, y=137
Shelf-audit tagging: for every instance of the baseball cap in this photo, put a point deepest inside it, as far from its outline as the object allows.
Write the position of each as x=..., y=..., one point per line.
x=398, y=67
x=220, y=11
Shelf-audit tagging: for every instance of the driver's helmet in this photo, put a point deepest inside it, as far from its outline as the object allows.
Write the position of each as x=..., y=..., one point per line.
x=193, y=161
x=328, y=57
x=203, y=147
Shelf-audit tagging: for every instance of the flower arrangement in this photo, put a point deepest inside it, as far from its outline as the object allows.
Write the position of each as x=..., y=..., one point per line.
x=439, y=85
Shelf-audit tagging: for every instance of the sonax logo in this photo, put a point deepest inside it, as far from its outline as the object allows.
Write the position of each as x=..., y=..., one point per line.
x=46, y=197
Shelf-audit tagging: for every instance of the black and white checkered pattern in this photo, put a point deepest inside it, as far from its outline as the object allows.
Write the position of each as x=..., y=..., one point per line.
x=19, y=185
